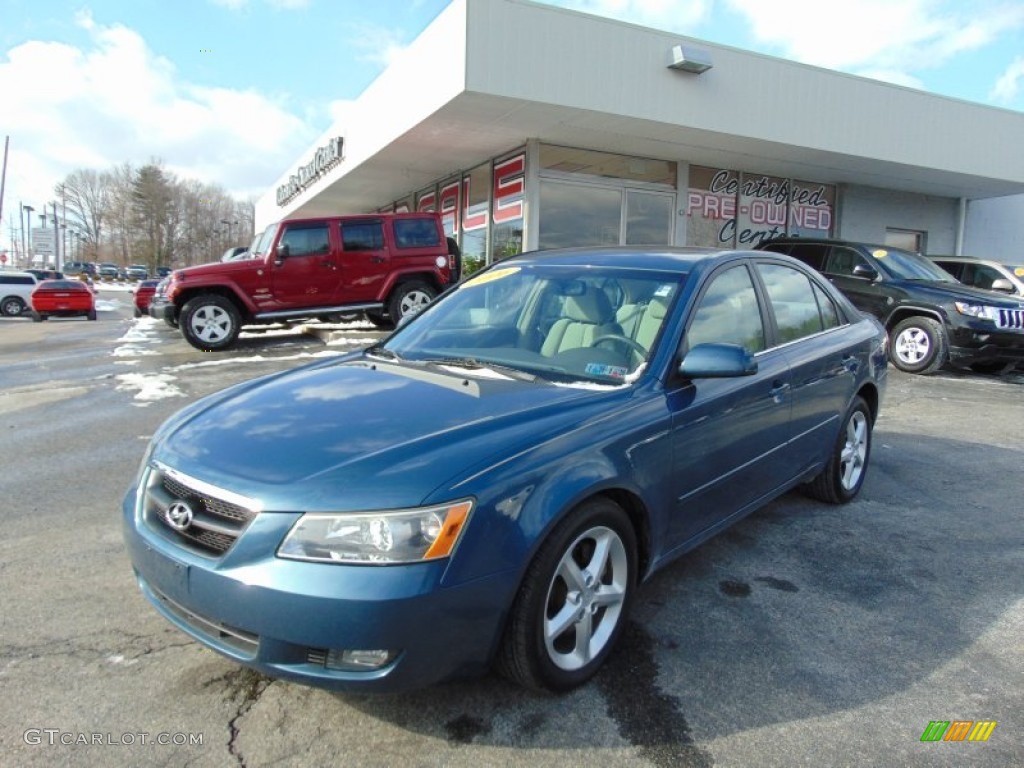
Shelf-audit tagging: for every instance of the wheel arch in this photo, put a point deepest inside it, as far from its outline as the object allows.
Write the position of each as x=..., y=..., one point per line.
x=430, y=278
x=218, y=290
x=869, y=393
x=904, y=313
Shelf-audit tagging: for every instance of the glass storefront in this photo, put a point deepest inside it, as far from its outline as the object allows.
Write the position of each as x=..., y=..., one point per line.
x=585, y=198
x=601, y=198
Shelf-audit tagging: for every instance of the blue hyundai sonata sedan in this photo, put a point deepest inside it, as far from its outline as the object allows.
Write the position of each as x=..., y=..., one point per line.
x=489, y=486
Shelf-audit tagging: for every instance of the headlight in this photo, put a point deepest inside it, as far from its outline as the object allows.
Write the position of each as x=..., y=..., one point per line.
x=402, y=536
x=975, y=310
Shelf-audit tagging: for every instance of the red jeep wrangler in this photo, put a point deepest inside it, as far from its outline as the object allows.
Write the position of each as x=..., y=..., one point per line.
x=386, y=265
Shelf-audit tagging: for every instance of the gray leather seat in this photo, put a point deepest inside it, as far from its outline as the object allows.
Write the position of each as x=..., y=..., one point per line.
x=587, y=317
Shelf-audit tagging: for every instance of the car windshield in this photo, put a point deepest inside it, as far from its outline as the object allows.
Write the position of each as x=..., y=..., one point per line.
x=904, y=265
x=565, y=324
x=261, y=243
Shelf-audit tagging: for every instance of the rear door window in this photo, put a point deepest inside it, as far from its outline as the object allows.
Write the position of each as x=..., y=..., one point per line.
x=362, y=236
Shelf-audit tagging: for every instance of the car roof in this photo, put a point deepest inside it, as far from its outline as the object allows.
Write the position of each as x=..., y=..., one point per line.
x=832, y=241
x=661, y=258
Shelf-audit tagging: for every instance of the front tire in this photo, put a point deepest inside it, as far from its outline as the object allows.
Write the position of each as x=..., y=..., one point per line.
x=841, y=479
x=409, y=299
x=919, y=345
x=210, y=322
x=574, y=600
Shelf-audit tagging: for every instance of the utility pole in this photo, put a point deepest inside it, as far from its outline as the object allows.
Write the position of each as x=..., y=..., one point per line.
x=3, y=177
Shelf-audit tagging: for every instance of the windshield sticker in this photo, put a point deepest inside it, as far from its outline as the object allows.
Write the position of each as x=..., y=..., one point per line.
x=1019, y=271
x=663, y=291
x=879, y=253
x=611, y=371
x=490, y=277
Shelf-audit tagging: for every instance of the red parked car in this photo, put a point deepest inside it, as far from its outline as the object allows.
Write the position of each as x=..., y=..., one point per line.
x=143, y=294
x=63, y=298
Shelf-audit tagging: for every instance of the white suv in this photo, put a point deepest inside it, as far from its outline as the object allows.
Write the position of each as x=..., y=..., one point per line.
x=984, y=273
x=16, y=292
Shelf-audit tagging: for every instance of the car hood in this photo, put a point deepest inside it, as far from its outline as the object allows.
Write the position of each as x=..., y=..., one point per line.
x=939, y=292
x=215, y=268
x=359, y=434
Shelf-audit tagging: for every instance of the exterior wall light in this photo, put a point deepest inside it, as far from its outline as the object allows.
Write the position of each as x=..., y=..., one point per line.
x=686, y=59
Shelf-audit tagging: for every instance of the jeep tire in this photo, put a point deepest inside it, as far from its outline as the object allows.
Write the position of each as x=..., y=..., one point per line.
x=918, y=345
x=408, y=299
x=210, y=322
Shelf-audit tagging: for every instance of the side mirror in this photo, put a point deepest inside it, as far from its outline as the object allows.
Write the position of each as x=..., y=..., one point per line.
x=717, y=361
x=1004, y=285
x=866, y=272
x=281, y=253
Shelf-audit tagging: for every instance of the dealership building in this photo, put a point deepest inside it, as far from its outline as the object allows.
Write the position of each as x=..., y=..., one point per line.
x=529, y=126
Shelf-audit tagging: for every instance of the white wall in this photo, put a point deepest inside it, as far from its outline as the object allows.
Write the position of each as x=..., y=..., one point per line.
x=994, y=229
x=866, y=212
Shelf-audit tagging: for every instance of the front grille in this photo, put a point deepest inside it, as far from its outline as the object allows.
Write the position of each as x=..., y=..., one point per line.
x=240, y=640
x=194, y=514
x=1010, y=319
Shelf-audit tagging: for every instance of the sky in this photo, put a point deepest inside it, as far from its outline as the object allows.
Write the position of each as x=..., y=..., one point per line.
x=234, y=92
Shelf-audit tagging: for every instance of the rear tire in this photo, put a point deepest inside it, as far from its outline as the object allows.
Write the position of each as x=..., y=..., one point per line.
x=91, y=315
x=210, y=322
x=841, y=479
x=36, y=317
x=409, y=299
x=573, y=601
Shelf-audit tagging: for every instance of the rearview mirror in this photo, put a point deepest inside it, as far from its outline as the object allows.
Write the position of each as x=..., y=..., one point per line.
x=717, y=361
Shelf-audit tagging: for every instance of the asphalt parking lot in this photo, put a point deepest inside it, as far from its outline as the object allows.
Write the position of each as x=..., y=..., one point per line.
x=806, y=635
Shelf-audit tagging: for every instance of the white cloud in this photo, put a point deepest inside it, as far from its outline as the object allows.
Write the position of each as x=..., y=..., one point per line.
x=1008, y=86
x=858, y=35
x=377, y=44
x=114, y=100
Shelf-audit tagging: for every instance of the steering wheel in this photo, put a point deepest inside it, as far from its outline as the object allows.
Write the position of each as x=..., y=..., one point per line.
x=640, y=349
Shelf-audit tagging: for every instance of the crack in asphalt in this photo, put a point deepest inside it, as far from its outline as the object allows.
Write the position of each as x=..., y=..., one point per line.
x=246, y=687
x=646, y=717
x=75, y=649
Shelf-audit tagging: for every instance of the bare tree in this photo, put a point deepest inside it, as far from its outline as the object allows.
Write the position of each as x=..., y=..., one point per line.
x=86, y=194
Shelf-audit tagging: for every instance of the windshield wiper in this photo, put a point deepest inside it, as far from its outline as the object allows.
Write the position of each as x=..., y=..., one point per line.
x=379, y=350
x=472, y=364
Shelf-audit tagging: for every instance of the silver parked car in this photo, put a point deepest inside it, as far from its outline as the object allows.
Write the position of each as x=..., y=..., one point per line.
x=984, y=273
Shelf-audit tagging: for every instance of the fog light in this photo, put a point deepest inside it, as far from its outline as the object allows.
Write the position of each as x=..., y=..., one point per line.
x=358, y=660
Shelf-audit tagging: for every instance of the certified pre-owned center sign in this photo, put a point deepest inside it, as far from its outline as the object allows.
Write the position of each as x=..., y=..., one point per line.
x=325, y=158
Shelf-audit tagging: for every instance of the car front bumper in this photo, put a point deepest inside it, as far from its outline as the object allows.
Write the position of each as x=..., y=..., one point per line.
x=284, y=617
x=978, y=343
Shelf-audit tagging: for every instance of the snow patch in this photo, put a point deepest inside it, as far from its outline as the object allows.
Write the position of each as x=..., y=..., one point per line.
x=149, y=386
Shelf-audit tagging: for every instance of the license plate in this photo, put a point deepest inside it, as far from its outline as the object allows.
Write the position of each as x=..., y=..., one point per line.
x=167, y=575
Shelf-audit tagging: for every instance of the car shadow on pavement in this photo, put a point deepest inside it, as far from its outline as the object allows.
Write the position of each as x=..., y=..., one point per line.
x=800, y=611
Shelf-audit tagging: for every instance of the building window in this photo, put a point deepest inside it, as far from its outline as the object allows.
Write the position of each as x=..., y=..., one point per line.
x=607, y=165
x=905, y=239
x=740, y=210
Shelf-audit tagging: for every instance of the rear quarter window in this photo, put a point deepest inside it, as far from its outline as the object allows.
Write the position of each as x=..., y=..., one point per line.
x=416, y=233
x=16, y=280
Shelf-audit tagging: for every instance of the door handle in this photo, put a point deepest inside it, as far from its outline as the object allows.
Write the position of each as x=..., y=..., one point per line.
x=327, y=264
x=779, y=388
x=376, y=259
